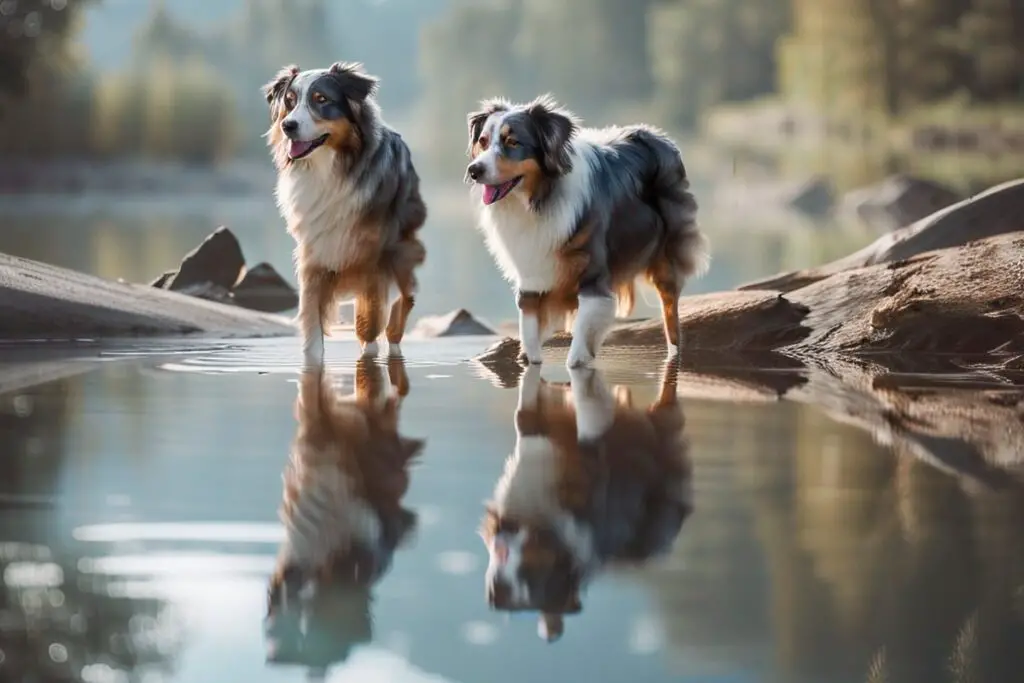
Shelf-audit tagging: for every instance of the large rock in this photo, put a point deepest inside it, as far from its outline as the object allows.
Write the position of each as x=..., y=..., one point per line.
x=263, y=289
x=897, y=201
x=40, y=301
x=996, y=211
x=218, y=260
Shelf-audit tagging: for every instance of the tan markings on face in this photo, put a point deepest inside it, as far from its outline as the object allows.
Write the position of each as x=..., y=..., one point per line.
x=343, y=135
x=528, y=169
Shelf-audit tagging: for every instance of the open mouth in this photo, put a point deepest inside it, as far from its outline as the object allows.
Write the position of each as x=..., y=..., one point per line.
x=303, y=148
x=493, y=193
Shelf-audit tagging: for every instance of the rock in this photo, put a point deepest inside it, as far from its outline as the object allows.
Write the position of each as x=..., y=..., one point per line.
x=458, y=323
x=161, y=282
x=218, y=260
x=815, y=197
x=40, y=301
x=898, y=201
x=209, y=292
x=263, y=289
x=996, y=211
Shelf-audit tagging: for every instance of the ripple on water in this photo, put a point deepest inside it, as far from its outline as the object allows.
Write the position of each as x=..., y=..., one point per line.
x=284, y=355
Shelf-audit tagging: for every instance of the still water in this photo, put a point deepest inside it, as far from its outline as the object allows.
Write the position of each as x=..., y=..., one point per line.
x=766, y=540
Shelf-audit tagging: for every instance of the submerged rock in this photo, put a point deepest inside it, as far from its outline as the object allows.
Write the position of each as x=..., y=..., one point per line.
x=218, y=260
x=263, y=289
x=457, y=323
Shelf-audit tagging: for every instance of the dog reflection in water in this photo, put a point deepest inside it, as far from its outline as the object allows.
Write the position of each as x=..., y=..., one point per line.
x=593, y=482
x=342, y=512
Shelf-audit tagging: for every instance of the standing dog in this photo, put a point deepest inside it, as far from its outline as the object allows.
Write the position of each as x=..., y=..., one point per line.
x=591, y=483
x=342, y=513
x=348, y=190
x=574, y=215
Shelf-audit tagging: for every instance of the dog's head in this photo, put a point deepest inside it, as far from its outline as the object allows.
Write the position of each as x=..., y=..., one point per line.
x=530, y=569
x=318, y=107
x=519, y=145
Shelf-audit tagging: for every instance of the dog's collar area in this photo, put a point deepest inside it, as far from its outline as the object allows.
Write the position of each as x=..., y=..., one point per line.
x=298, y=149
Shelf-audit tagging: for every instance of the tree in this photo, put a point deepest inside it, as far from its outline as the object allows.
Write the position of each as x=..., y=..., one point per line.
x=33, y=37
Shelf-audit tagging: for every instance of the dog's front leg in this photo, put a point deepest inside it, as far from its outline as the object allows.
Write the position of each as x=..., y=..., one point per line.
x=594, y=318
x=530, y=327
x=314, y=287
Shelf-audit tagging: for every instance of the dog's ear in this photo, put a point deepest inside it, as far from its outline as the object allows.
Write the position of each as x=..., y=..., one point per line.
x=556, y=126
x=273, y=90
x=357, y=85
x=476, y=120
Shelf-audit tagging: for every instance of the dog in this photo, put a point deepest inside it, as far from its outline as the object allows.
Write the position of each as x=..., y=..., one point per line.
x=348, y=190
x=574, y=215
x=591, y=483
x=342, y=511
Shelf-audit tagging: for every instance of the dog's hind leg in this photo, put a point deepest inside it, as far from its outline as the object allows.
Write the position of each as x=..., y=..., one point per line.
x=370, y=306
x=409, y=255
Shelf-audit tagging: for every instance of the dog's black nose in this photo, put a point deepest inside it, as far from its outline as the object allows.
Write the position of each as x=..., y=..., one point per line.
x=474, y=171
x=289, y=126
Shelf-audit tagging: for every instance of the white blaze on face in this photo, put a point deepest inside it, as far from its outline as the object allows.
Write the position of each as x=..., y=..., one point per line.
x=302, y=114
x=488, y=158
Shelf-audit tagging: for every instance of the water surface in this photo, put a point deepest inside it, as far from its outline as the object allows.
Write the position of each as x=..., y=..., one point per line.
x=140, y=532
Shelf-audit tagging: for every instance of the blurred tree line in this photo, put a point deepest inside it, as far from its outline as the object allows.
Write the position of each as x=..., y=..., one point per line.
x=671, y=61
x=188, y=95
x=893, y=57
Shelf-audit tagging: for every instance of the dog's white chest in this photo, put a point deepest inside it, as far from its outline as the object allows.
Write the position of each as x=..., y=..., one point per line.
x=321, y=208
x=524, y=244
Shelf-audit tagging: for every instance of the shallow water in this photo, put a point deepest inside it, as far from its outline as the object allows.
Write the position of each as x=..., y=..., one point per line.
x=140, y=527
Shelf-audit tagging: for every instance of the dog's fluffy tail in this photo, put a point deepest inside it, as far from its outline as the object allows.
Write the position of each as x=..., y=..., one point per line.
x=686, y=247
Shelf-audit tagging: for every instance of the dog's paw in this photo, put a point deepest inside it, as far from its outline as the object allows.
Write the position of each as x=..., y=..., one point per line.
x=313, y=353
x=394, y=350
x=526, y=360
x=370, y=349
x=579, y=357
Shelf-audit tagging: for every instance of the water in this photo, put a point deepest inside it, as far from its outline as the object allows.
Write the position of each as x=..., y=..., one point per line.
x=140, y=527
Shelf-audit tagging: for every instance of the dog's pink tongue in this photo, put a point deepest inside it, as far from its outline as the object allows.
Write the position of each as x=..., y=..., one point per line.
x=491, y=193
x=298, y=148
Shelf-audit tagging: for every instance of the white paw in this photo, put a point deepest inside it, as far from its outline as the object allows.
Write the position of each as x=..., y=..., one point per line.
x=579, y=357
x=370, y=349
x=394, y=349
x=313, y=352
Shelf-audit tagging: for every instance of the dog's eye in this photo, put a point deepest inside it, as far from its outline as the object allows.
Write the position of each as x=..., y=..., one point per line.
x=483, y=142
x=289, y=100
x=510, y=143
x=319, y=98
